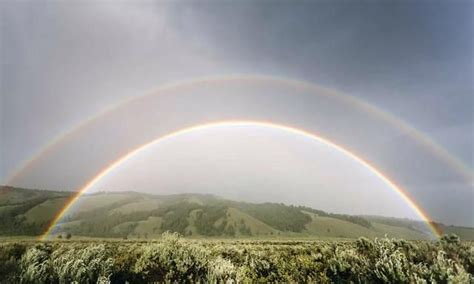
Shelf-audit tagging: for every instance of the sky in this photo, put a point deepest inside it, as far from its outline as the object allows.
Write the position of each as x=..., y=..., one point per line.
x=266, y=164
x=63, y=63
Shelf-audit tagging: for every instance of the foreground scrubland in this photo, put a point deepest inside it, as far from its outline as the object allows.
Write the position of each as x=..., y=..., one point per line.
x=173, y=258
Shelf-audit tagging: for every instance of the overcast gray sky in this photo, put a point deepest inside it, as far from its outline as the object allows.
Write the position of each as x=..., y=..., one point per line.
x=64, y=62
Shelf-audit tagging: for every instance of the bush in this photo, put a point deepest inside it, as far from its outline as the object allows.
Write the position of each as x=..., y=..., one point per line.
x=82, y=264
x=174, y=259
x=10, y=256
x=36, y=265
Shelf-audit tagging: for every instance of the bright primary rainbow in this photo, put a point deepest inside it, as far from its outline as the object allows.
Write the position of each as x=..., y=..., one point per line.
x=436, y=149
x=115, y=164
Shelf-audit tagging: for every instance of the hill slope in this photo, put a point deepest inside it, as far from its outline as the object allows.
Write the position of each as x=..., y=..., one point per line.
x=137, y=215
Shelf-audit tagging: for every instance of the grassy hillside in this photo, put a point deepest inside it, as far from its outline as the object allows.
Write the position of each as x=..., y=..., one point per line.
x=144, y=216
x=28, y=211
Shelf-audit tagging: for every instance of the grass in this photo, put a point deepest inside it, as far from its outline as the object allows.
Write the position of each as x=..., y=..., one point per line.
x=137, y=206
x=99, y=201
x=44, y=212
x=150, y=227
x=257, y=227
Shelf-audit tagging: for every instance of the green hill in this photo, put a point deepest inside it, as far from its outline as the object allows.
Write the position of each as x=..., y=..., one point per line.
x=145, y=216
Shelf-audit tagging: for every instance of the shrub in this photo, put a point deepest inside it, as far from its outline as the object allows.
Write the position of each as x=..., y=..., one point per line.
x=36, y=265
x=82, y=264
x=174, y=259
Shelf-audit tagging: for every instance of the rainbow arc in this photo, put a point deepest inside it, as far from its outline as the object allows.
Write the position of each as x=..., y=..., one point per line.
x=190, y=85
x=296, y=131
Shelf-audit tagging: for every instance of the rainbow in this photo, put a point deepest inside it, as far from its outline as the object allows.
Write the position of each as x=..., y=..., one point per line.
x=403, y=126
x=115, y=164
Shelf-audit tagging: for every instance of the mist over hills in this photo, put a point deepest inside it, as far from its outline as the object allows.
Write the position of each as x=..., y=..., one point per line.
x=145, y=216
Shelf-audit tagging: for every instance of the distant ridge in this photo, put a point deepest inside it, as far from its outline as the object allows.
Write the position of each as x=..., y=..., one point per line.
x=132, y=214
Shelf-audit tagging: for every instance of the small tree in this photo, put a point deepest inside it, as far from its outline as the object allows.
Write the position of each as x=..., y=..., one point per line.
x=68, y=236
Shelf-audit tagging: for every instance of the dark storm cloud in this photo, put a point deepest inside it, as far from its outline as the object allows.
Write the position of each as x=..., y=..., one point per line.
x=371, y=41
x=399, y=55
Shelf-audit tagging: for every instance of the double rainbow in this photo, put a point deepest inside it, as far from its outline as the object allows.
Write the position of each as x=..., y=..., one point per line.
x=403, y=126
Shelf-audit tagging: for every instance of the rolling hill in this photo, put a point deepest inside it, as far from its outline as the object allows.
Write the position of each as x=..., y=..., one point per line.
x=144, y=216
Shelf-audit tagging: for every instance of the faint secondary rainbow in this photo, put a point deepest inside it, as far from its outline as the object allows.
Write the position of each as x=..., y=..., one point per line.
x=464, y=170
x=115, y=164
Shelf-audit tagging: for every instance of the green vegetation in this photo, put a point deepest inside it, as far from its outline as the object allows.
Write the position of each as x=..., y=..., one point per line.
x=278, y=216
x=17, y=206
x=352, y=219
x=174, y=259
x=135, y=215
x=226, y=241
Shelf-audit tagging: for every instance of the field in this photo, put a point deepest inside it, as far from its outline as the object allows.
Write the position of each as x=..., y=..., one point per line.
x=173, y=258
